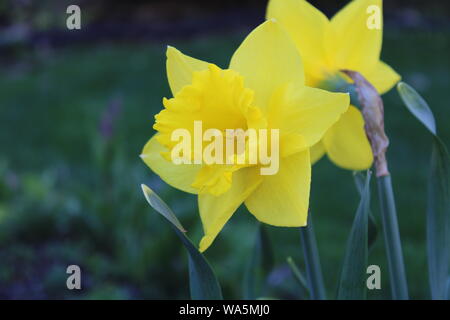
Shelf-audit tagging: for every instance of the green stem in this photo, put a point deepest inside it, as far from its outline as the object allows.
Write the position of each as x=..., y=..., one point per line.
x=397, y=275
x=312, y=262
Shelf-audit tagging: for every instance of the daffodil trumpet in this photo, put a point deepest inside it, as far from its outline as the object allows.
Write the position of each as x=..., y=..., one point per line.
x=232, y=147
x=263, y=88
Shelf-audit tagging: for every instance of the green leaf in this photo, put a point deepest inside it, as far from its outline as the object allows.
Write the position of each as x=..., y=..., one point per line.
x=438, y=204
x=313, y=268
x=417, y=106
x=303, y=287
x=392, y=241
x=259, y=266
x=202, y=280
x=438, y=221
x=448, y=289
x=352, y=282
x=373, y=228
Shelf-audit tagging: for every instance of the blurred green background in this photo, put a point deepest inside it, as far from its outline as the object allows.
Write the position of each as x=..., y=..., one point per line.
x=76, y=108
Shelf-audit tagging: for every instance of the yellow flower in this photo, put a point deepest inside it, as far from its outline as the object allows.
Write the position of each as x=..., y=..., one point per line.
x=263, y=88
x=351, y=40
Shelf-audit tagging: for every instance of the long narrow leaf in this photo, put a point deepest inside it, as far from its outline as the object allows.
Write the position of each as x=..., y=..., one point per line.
x=259, y=266
x=303, y=287
x=373, y=228
x=448, y=289
x=202, y=280
x=438, y=217
x=392, y=241
x=438, y=207
x=314, y=274
x=352, y=283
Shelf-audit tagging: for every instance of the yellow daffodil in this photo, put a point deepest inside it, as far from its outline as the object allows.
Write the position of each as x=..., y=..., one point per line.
x=263, y=88
x=351, y=40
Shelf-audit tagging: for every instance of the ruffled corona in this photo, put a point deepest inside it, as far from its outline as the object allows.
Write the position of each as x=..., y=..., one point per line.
x=216, y=99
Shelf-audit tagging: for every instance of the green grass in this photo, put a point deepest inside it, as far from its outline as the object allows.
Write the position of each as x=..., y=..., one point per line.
x=68, y=197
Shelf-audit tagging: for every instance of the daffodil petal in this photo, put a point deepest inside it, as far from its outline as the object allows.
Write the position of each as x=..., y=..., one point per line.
x=215, y=211
x=267, y=58
x=178, y=176
x=383, y=77
x=357, y=40
x=283, y=199
x=292, y=143
x=317, y=151
x=306, y=111
x=308, y=27
x=347, y=144
x=180, y=67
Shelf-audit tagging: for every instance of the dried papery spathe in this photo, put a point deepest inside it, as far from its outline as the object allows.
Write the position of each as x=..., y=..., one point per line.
x=373, y=113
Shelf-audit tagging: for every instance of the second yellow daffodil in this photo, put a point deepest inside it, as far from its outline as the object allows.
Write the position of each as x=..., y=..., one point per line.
x=352, y=40
x=264, y=87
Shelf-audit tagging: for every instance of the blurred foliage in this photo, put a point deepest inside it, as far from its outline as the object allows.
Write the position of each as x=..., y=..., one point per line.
x=72, y=125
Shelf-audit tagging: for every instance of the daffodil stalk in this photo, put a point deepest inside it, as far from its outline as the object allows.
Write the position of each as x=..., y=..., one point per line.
x=312, y=262
x=373, y=113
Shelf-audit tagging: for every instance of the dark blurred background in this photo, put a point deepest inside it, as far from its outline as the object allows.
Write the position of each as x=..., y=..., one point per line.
x=77, y=106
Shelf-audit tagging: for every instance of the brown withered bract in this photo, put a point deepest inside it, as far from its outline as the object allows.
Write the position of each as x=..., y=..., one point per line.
x=373, y=113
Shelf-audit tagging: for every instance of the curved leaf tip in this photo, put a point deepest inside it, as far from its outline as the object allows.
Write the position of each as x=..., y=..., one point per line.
x=417, y=106
x=161, y=207
x=202, y=280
